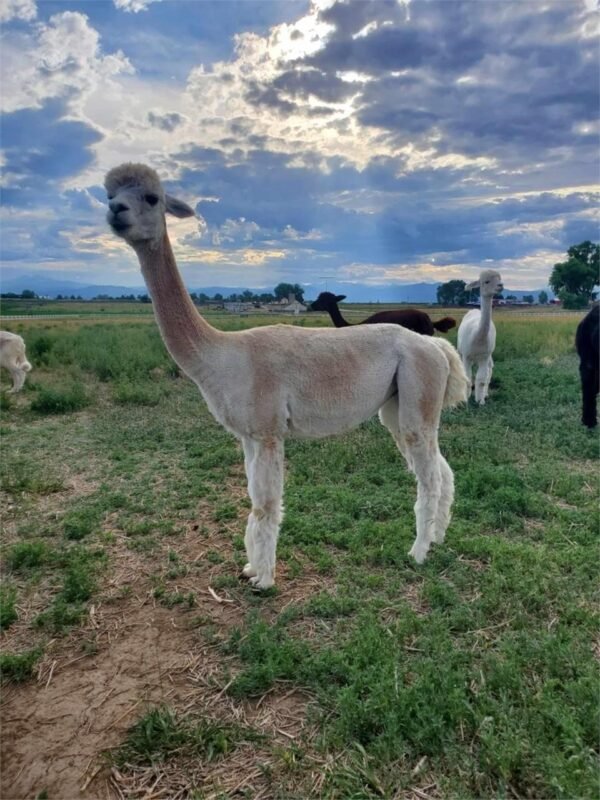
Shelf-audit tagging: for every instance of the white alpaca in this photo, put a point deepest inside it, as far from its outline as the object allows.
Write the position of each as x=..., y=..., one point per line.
x=13, y=358
x=477, y=334
x=267, y=384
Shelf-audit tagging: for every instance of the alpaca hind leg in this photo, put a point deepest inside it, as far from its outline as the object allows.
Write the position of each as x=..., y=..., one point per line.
x=589, y=391
x=442, y=518
x=265, y=487
x=388, y=416
x=425, y=457
x=418, y=444
x=249, y=446
x=18, y=377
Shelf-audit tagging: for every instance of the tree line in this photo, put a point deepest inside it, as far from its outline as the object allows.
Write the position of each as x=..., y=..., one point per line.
x=572, y=280
x=281, y=291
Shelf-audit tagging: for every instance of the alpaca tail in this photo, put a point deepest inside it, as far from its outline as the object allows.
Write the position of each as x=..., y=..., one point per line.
x=25, y=365
x=445, y=324
x=458, y=385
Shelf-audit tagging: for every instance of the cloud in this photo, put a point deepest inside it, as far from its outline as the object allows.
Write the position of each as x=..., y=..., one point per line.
x=133, y=6
x=18, y=9
x=166, y=122
x=62, y=58
x=41, y=148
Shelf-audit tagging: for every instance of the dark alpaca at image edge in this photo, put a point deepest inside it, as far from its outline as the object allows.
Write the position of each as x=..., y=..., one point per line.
x=411, y=318
x=587, y=345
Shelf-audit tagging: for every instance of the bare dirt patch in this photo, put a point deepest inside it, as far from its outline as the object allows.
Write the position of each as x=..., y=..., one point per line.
x=131, y=654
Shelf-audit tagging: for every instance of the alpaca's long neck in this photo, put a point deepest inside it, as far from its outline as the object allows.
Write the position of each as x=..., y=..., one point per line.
x=183, y=330
x=336, y=317
x=485, y=317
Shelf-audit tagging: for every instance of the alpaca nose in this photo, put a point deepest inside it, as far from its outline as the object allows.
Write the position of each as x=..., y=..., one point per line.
x=116, y=207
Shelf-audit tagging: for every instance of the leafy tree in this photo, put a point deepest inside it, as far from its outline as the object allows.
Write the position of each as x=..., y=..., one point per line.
x=543, y=298
x=284, y=290
x=144, y=298
x=528, y=298
x=452, y=293
x=28, y=294
x=573, y=280
x=512, y=298
x=247, y=296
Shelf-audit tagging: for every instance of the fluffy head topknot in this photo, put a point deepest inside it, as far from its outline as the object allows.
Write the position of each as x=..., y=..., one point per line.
x=131, y=174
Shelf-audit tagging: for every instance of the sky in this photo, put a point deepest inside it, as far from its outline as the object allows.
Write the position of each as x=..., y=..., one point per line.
x=381, y=142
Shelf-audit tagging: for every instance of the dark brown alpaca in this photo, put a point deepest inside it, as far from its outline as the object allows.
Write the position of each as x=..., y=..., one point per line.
x=411, y=318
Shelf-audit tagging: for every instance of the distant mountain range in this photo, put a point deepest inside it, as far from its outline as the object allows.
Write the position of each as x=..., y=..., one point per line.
x=47, y=285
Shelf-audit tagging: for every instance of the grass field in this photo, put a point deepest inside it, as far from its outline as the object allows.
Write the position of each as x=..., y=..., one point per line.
x=136, y=664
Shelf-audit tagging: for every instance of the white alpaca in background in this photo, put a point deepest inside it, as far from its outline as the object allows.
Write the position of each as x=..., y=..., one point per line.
x=477, y=334
x=13, y=358
x=270, y=383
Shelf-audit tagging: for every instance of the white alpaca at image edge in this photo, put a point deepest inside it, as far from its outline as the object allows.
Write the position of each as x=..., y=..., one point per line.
x=477, y=334
x=13, y=358
x=270, y=383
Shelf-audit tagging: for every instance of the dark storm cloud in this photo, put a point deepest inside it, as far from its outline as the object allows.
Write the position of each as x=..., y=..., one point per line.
x=259, y=95
x=165, y=122
x=509, y=80
x=41, y=148
x=438, y=35
x=417, y=214
x=304, y=83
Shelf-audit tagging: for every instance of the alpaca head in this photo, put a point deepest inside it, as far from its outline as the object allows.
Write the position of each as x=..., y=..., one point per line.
x=489, y=283
x=326, y=300
x=137, y=204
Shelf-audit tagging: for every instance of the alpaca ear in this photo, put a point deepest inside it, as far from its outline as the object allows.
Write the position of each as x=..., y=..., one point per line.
x=178, y=208
x=472, y=285
x=339, y=298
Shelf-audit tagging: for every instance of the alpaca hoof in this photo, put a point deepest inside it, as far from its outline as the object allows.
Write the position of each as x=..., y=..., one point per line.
x=248, y=571
x=418, y=552
x=259, y=584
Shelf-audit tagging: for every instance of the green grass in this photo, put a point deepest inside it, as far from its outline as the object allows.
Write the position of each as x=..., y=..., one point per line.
x=162, y=734
x=8, y=612
x=60, y=401
x=17, y=667
x=481, y=660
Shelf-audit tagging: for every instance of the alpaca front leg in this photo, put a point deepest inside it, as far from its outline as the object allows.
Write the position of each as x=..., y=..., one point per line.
x=264, y=467
x=469, y=373
x=482, y=380
x=490, y=368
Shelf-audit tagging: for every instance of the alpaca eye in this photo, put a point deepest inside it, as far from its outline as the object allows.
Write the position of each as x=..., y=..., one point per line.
x=151, y=199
